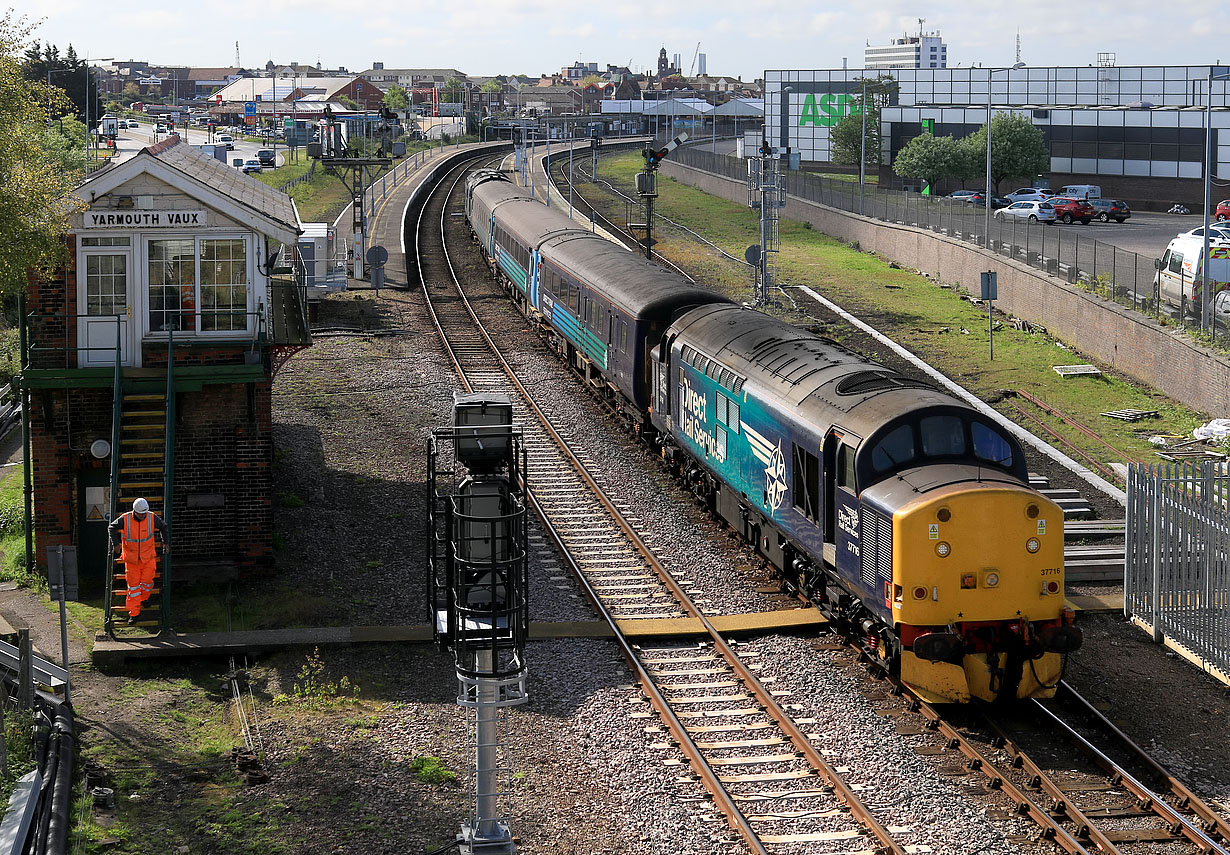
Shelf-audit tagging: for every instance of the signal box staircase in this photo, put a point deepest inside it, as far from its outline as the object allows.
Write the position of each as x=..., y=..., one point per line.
x=142, y=472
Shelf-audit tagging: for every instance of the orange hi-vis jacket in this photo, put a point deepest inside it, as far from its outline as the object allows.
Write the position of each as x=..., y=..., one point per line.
x=137, y=539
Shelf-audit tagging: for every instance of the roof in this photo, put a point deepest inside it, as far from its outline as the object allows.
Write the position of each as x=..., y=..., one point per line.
x=202, y=176
x=741, y=107
x=281, y=88
x=212, y=73
x=415, y=72
x=678, y=107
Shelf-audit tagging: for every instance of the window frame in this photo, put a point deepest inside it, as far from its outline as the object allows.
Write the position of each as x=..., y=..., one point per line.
x=198, y=315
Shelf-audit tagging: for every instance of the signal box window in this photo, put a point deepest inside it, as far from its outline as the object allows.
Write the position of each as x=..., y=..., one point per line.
x=806, y=483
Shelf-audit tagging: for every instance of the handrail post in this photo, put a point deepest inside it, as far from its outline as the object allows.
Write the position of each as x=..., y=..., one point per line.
x=168, y=480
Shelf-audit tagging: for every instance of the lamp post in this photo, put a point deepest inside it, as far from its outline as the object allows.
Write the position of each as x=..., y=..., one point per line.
x=862, y=157
x=986, y=196
x=1206, y=295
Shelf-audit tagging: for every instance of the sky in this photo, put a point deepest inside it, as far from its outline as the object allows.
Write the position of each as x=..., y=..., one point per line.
x=740, y=39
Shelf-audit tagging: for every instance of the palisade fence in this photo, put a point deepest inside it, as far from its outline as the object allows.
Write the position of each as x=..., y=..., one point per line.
x=1060, y=250
x=1177, y=574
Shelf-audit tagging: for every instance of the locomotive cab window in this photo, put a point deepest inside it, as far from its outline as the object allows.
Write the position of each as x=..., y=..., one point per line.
x=845, y=466
x=943, y=436
x=990, y=445
x=894, y=450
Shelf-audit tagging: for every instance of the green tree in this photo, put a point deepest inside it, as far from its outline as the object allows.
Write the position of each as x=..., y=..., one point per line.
x=493, y=87
x=68, y=72
x=930, y=158
x=590, y=78
x=347, y=102
x=396, y=98
x=1018, y=149
x=454, y=90
x=132, y=92
x=64, y=141
x=35, y=188
x=846, y=137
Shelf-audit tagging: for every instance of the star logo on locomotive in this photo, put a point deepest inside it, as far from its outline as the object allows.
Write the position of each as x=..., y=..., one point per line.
x=775, y=478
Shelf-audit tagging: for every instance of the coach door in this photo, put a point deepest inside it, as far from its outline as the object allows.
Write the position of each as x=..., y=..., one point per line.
x=839, y=488
x=104, y=292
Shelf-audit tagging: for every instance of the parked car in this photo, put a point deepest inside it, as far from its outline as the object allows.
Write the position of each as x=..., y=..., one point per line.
x=252, y=165
x=1181, y=268
x=1034, y=212
x=1216, y=232
x=980, y=200
x=1068, y=209
x=1081, y=191
x=226, y=140
x=1030, y=194
x=1111, y=209
x=1223, y=210
x=962, y=195
x=267, y=157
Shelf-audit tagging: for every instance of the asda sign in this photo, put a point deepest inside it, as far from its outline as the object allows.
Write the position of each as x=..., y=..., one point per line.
x=827, y=110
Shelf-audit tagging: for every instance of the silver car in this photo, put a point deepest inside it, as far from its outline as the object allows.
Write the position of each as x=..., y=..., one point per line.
x=1030, y=194
x=1034, y=212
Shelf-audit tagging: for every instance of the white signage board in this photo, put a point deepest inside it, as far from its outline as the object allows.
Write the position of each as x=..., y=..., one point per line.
x=143, y=219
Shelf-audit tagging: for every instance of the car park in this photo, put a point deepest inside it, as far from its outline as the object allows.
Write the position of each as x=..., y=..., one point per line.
x=267, y=157
x=1034, y=212
x=1068, y=209
x=1110, y=209
x=1030, y=194
x=252, y=165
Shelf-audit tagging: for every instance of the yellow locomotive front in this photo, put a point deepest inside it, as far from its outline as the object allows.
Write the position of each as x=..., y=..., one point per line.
x=978, y=592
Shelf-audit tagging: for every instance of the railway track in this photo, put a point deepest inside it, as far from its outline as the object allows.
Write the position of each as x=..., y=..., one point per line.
x=766, y=778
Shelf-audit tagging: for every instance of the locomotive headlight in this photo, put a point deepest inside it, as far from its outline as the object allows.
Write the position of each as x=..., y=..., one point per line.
x=942, y=549
x=1033, y=545
x=991, y=580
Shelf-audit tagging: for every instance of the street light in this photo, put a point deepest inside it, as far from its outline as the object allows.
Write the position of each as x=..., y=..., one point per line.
x=1206, y=295
x=987, y=191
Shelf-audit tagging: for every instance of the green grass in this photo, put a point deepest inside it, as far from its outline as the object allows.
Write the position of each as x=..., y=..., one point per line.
x=931, y=319
x=13, y=533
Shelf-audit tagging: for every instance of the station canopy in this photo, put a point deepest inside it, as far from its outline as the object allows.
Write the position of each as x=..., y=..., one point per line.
x=741, y=107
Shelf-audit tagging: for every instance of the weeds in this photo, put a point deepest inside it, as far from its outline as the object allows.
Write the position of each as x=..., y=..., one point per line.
x=430, y=770
x=313, y=689
x=289, y=500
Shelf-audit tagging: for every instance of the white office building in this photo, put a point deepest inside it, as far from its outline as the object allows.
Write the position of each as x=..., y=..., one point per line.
x=908, y=52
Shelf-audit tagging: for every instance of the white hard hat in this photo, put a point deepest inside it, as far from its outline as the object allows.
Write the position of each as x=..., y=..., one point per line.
x=140, y=506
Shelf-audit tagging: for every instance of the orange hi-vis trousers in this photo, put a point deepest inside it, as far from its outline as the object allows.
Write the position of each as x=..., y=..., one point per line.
x=140, y=559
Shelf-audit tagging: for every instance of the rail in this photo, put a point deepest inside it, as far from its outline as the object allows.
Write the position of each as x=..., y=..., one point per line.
x=1115, y=274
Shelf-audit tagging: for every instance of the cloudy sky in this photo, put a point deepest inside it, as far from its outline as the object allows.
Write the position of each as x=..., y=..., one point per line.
x=485, y=37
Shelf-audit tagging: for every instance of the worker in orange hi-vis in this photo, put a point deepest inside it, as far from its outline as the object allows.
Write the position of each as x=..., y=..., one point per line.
x=132, y=533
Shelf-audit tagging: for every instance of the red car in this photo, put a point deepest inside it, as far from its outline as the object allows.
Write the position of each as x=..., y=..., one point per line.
x=1223, y=210
x=1067, y=210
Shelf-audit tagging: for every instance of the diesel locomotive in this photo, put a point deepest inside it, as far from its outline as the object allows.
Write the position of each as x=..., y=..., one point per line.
x=902, y=513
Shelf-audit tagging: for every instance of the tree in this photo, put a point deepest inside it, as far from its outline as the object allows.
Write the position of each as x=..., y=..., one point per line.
x=396, y=98
x=347, y=102
x=930, y=158
x=846, y=137
x=591, y=78
x=1018, y=149
x=454, y=89
x=68, y=72
x=493, y=87
x=35, y=189
x=132, y=92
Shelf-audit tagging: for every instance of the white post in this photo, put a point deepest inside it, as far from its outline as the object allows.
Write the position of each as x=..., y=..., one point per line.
x=1205, y=290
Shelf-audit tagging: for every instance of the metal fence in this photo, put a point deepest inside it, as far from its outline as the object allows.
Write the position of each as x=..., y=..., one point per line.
x=1177, y=574
x=1115, y=274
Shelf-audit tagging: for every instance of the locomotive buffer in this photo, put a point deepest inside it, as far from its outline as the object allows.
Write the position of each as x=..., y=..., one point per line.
x=478, y=565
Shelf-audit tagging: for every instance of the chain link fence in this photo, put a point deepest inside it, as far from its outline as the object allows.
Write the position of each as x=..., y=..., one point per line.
x=1101, y=268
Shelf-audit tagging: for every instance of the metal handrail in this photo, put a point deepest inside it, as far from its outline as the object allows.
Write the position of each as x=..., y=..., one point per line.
x=113, y=493
x=168, y=481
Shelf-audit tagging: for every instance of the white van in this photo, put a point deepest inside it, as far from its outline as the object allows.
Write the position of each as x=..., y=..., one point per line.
x=1179, y=271
x=1081, y=191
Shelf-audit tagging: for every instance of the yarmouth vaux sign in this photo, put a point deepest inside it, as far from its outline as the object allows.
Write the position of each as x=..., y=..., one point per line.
x=143, y=219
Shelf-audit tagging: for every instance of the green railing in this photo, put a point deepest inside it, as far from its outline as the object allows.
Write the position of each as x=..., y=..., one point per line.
x=168, y=481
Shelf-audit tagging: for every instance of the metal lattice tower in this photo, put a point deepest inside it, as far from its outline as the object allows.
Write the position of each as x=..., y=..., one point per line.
x=766, y=192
